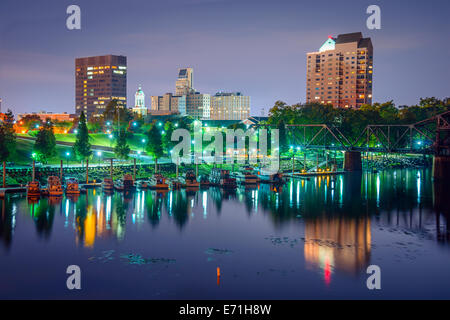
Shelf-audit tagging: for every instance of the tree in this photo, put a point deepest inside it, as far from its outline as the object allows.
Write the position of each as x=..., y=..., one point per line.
x=116, y=112
x=122, y=149
x=9, y=133
x=154, y=143
x=4, y=152
x=82, y=147
x=167, y=142
x=45, y=145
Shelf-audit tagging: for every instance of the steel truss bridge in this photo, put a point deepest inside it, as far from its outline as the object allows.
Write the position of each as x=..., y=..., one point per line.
x=429, y=136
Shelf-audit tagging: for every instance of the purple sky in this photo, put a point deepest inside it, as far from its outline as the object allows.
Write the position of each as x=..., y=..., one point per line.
x=257, y=47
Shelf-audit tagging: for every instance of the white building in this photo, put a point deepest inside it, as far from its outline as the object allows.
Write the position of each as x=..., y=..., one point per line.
x=139, y=103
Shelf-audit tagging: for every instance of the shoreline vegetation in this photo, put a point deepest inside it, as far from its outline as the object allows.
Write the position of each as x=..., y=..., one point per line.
x=121, y=135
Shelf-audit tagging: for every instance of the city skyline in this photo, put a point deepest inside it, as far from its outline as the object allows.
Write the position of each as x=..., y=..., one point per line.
x=267, y=42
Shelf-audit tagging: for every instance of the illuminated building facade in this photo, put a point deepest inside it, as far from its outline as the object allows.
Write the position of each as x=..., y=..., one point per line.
x=98, y=80
x=139, y=103
x=340, y=73
x=230, y=106
x=64, y=116
x=198, y=105
x=168, y=104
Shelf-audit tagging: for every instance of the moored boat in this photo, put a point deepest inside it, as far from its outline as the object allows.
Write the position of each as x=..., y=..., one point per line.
x=33, y=189
x=118, y=185
x=204, y=180
x=270, y=177
x=247, y=177
x=158, y=182
x=141, y=184
x=54, y=186
x=128, y=182
x=222, y=178
x=190, y=180
x=108, y=185
x=72, y=186
x=175, y=184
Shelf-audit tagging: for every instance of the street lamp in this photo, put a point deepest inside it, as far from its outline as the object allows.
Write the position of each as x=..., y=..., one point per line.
x=68, y=156
x=99, y=154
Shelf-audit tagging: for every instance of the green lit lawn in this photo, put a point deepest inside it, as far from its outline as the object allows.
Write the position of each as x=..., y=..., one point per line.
x=24, y=149
x=97, y=139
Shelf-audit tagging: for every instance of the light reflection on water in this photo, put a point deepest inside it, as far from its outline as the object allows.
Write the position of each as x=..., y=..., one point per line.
x=321, y=233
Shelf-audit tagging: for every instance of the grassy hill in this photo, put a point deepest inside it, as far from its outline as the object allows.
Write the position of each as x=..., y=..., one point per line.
x=97, y=139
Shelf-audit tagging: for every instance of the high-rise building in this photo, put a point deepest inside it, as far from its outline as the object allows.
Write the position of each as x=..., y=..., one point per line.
x=198, y=105
x=139, y=102
x=340, y=73
x=185, y=82
x=99, y=80
x=230, y=106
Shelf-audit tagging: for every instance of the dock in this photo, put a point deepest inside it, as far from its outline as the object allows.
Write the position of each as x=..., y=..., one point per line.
x=313, y=174
x=4, y=191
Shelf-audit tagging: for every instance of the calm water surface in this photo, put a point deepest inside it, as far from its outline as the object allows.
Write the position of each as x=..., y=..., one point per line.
x=310, y=239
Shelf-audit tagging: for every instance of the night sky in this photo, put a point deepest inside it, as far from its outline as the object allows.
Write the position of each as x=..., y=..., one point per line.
x=256, y=47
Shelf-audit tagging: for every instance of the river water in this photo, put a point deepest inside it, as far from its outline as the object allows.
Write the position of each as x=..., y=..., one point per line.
x=309, y=239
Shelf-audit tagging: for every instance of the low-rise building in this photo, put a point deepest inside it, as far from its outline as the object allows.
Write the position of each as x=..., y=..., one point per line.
x=230, y=106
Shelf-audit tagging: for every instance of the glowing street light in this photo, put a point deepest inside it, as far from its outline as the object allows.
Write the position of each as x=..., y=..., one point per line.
x=68, y=156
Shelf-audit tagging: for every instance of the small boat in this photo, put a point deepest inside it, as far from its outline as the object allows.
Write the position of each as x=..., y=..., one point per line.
x=158, y=182
x=204, y=180
x=175, y=184
x=118, y=185
x=222, y=178
x=72, y=186
x=33, y=189
x=108, y=185
x=128, y=182
x=190, y=180
x=54, y=186
x=247, y=177
x=270, y=177
x=141, y=184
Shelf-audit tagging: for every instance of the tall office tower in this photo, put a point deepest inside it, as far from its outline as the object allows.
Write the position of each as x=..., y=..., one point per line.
x=139, y=102
x=340, y=73
x=185, y=82
x=198, y=105
x=230, y=106
x=99, y=80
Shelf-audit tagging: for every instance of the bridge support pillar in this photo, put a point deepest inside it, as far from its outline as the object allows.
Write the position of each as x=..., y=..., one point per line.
x=352, y=161
x=441, y=168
